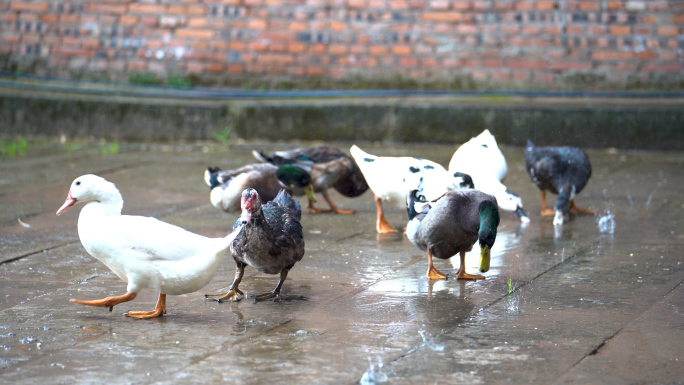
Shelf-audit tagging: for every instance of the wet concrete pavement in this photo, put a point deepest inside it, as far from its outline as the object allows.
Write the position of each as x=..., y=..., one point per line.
x=593, y=303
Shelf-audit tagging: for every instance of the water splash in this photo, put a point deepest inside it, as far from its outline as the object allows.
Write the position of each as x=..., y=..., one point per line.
x=374, y=374
x=429, y=341
x=512, y=302
x=606, y=222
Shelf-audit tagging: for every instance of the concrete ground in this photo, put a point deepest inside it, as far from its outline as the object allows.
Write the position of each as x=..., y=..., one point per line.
x=599, y=300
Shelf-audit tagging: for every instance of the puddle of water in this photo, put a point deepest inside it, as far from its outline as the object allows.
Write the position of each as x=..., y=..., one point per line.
x=505, y=241
x=374, y=374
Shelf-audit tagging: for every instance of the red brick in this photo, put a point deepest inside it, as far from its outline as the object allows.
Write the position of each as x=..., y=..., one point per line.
x=402, y=50
x=356, y=4
x=11, y=39
x=417, y=4
x=574, y=29
x=90, y=43
x=670, y=56
x=619, y=30
x=275, y=59
x=337, y=26
x=481, y=5
x=527, y=64
x=129, y=20
x=337, y=49
x=297, y=47
x=216, y=68
x=669, y=30
x=409, y=62
x=466, y=29
x=318, y=49
x=442, y=17
x=189, y=33
x=614, y=5
x=592, y=5
x=107, y=8
x=398, y=4
x=544, y=77
x=653, y=67
x=596, y=30
x=237, y=46
x=49, y=18
x=612, y=55
x=461, y=5
x=194, y=22
x=22, y=6
x=187, y=10
x=524, y=5
x=378, y=50
x=315, y=71
x=570, y=66
x=236, y=68
x=298, y=26
x=545, y=5
x=358, y=49
x=147, y=8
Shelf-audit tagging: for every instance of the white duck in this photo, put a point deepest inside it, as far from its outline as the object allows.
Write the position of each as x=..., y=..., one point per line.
x=391, y=179
x=145, y=252
x=480, y=156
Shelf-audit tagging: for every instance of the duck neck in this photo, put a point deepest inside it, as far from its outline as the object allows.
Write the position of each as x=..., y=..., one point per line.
x=108, y=203
x=489, y=221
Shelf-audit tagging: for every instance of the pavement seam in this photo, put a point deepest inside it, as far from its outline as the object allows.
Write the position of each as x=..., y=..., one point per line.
x=603, y=343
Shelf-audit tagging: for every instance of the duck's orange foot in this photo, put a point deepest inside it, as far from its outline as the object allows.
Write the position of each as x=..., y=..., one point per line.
x=315, y=210
x=547, y=212
x=433, y=273
x=464, y=275
x=384, y=227
x=343, y=211
x=265, y=296
x=577, y=210
x=234, y=295
x=109, y=302
x=145, y=314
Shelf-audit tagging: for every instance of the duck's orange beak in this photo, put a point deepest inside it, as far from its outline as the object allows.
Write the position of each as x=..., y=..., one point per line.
x=70, y=201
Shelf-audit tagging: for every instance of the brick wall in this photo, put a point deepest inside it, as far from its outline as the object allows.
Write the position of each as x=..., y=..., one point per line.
x=550, y=43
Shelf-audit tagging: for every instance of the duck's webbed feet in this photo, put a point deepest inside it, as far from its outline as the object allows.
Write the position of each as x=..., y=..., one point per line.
x=158, y=311
x=432, y=272
x=577, y=210
x=276, y=292
x=545, y=211
x=382, y=226
x=461, y=273
x=234, y=294
x=109, y=302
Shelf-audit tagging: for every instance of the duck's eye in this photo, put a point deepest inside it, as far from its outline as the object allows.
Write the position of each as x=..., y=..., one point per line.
x=78, y=183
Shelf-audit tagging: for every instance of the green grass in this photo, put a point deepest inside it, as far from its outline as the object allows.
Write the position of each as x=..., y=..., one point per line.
x=109, y=148
x=179, y=81
x=510, y=286
x=15, y=147
x=223, y=136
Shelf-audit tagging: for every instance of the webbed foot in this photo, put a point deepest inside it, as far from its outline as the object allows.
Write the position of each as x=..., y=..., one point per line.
x=109, y=302
x=234, y=295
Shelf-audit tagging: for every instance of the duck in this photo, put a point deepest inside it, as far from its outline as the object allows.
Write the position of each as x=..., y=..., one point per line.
x=480, y=156
x=452, y=224
x=329, y=168
x=564, y=171
x=506, y=199
x=391, y=178
x=145, y=252
x=271, y=241
x=227, y=185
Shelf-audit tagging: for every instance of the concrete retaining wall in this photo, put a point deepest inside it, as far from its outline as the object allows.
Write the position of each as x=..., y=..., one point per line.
x=632, y=125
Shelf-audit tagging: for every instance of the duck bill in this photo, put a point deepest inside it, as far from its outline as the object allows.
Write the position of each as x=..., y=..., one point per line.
x=308, y=190
x=485, y=256
x=69, y=203
x=521, y=214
